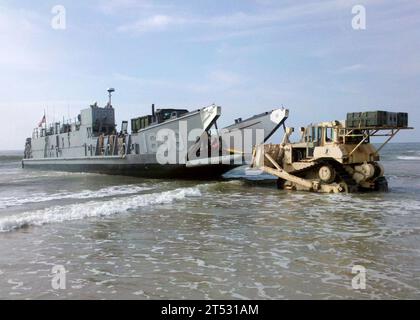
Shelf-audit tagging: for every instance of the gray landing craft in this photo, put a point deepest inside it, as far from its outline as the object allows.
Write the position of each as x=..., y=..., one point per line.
x=92, y=144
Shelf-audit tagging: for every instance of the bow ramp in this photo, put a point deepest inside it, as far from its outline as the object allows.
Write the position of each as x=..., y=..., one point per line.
x=234, y=144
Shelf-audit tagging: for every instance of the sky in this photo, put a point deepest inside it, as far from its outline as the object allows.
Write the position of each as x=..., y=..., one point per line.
x=248, y=56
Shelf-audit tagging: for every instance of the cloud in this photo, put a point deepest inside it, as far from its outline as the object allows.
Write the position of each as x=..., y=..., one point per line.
x=226, y=79
x=17, y=31
x=155, y=23
x=22, y=22
x=215, y=80
x=115, y=6
x=143, y=82
x=237, y=23
x=264, y=18
x=351, y=68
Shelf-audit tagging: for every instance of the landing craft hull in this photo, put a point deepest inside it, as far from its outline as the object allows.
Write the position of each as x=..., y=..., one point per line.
x=133, y=169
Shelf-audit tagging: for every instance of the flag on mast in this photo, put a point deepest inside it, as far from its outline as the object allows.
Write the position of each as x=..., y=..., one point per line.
x=44, y=120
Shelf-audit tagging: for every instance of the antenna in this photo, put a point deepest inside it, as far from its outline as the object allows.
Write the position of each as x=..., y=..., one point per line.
x=110, y=91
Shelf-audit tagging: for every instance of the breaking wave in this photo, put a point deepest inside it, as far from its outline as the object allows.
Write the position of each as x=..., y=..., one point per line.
x=93, y=209
x=7, y=202
x=408, y=157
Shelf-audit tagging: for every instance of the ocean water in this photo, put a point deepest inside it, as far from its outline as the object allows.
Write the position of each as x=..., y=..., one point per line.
x=131, y=238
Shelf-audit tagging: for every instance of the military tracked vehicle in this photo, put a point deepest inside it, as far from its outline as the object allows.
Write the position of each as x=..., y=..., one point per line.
x=334, y=156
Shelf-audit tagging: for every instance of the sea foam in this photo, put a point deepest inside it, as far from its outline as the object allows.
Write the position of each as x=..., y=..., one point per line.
x=93, y=209
x=408, y=158
x=7, y=202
